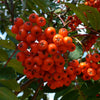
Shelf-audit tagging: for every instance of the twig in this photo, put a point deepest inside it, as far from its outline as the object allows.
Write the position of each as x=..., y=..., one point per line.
x=64, y=24
x=78, y=87
x=37, y=91
x=11, y=11
x=24, y=85
x=85, y=35
x=10, y=58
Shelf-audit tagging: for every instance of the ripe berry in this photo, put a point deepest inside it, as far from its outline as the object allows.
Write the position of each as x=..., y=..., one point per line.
x=91, y=72
x=36, y=68
x=34, y=48
x=43, y=54
x=62, y=49
x=71, y=47
x=33, y=17
x=18, y=22
x=29, y=62
x=96, y=57
x=30, y=38
x=23, y=33
x=58, y=39
x=63, y=32
x=18, y=37
x=43, y=45
x=20, y=56
x=37, y=60
x=36, y=30
x=41, y=21
x=28, y=26
x=22, y=46
x=14, y=29
x=67, y=40
x=67, y=82
x=52, y=48
x=50, y=32
x=48, y=62
x=57, y=76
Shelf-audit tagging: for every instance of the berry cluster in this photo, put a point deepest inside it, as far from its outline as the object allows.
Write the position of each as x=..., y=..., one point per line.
x=89, y=42
x=41, y=51
x=74, y=22
x=91, y=68
x=93, y=3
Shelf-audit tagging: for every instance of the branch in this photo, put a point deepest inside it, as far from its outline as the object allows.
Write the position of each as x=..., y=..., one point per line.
x=78, y=87
x=37, y=91
x=64, y=24
x=85, y=35
x=24, y=85
x=10, y=58
x=11, y=11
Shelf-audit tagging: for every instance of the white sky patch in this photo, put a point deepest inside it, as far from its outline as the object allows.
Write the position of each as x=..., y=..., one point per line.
x=3, y=36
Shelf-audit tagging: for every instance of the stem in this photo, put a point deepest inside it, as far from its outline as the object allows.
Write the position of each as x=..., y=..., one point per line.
x=11, y=11
x=10, y=58
x=85, y=35
x=78, y=87
x=23, y=86
x=64, y=24
x=37, y=91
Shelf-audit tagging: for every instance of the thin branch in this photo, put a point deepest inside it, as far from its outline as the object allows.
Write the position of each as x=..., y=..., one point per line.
x=24, y=85
x=78, y=87
x=37, y=91
x=64, y=24
x=11, y=11
x=10, y=57
x=85, y=35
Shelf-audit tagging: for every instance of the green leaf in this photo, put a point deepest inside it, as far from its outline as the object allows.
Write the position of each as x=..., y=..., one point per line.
x=11, y=84
x=7, y=73
x=8, y=31
x=62, y=92
x=43, y=4
x=6, y=94
x=92, y=15
x=77, y=53
x=3, y=55
x=7, y=44
x=27, y=93
x=78, y=12
x=16, y=65
x=91, y=90
x=73, y=95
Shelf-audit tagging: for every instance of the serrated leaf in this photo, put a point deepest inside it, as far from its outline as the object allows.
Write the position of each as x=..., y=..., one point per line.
x=7, y=73
x=78, y=12
x=7, y=44
x=3, y=55
x=16, y=65
x=43, y=4
x=8, y=31
x=6, y=94
x=11, y=84
x=73, y=95
x=77, y=53
x=93, y=15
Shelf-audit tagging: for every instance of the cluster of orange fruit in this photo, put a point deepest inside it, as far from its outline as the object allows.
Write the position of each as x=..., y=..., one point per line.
x=41, y=51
